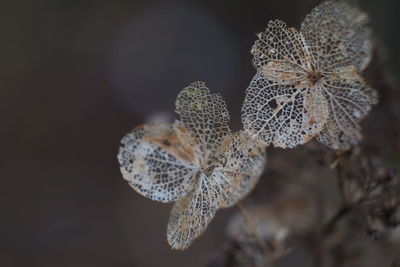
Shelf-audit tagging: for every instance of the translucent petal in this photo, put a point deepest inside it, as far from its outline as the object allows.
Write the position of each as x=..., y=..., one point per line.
x=280, y=44
x=205, y=115
x=337, y=36
x=244, y=160
x=333, y=138
x=283, y=73
x=285, y=115
x=230, y=176
x=191, y=215
x=350, y=99
x=158, y=163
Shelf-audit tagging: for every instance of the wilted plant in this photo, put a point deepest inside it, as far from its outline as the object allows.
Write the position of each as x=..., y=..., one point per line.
x=196, y=161
x=308, y=84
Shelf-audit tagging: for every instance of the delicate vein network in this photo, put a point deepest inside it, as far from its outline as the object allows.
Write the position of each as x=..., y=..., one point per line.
x=308, y=82
x=196, y=162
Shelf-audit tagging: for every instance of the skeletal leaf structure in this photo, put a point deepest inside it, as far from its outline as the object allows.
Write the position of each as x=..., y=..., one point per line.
x=196, y=162
x=307, y=85
x=308, y=82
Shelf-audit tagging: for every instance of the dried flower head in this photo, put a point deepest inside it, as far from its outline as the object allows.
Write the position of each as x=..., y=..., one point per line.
x=197, y=162
x=308, y=82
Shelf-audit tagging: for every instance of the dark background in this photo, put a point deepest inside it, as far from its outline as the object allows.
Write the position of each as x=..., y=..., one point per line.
x=75, y=76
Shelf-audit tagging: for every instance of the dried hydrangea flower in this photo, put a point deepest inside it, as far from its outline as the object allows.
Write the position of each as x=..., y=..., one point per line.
x=308, y=82
x=197, y=162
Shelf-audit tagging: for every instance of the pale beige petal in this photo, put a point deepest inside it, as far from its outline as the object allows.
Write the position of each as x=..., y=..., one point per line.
x=285, y=115
x=335, y=139
x=205, y=115
x=157, y=162
x=280, y=44
x=337, y=36
x=244, y=159
x=282, y=73
x=350, y=100
x=191, y=215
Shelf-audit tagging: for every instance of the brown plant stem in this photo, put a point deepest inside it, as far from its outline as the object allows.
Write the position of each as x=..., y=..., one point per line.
x=341, y=178
x=345, y=207
x=340, y=214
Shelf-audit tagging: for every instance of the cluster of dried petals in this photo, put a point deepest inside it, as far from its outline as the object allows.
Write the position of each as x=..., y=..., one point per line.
x=196, y=162
x=308, y=82
x=307, y=85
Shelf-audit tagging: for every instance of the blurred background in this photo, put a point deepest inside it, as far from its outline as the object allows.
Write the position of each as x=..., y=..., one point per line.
x=76, y=76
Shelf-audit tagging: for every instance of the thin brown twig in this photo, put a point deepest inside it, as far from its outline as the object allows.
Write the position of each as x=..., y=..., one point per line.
x=340, y=214
x=344, y=208
x=341, y=178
